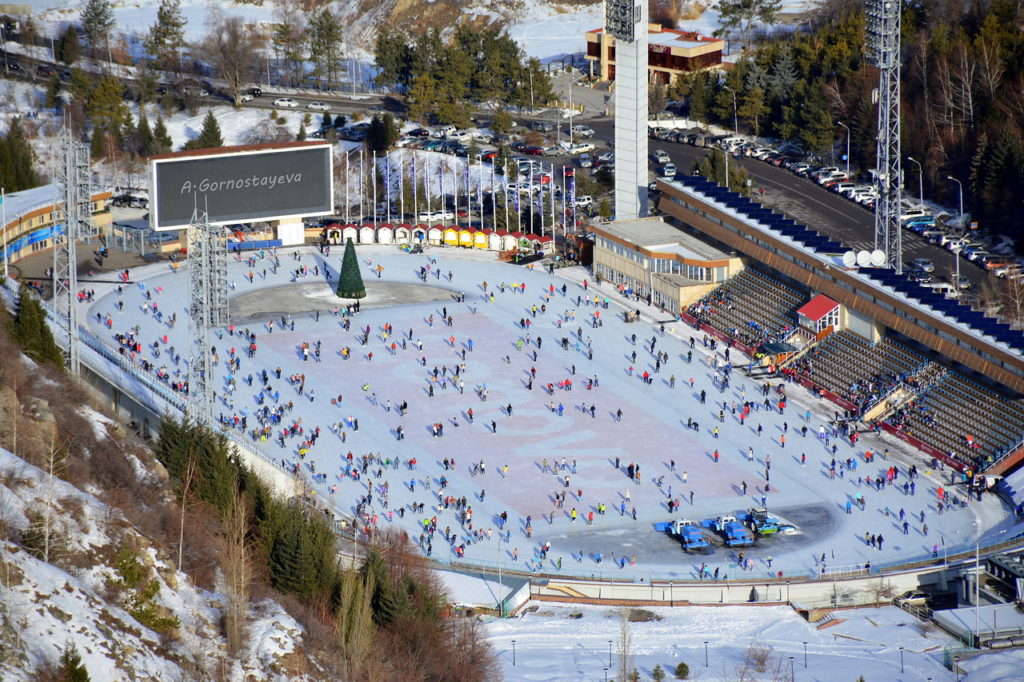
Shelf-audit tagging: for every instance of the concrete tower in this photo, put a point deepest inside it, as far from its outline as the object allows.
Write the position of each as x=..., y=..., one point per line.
x=626, y=21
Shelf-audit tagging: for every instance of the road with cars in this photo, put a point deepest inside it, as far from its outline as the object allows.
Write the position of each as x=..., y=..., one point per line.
x=806, y=202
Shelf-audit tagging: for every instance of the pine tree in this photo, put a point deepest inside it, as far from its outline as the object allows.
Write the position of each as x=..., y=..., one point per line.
x=167, y=35
x=30, y=330
x=67, y=48
x=97, y=22
x=96, y=143
x=301, y=135
x=209, y=136
x=143, y=135
x=17, y=170
x=71, y=667
x=161, y=138
x=350, y=282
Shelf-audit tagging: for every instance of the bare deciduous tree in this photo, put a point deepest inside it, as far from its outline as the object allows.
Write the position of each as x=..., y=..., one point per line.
x=626, y=645
x=238, y=570
x=232, y=47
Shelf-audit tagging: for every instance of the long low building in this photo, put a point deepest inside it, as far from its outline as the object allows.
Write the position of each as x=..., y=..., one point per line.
x=952, y=376
x=31, y=219
x=660, y=263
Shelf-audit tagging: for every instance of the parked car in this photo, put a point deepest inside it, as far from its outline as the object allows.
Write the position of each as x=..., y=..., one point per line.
x=534, y=150
x=668, y=171
x=913, y=598
x=433, y=216
x=418, y=132
x=661, y=157
x=585, y=161
x=584, y=201
x=285, y=102
x=245, y=97
x=542, y=126
x=800, y=168
x=581, y=148
x=913, y=213
x=585, y=132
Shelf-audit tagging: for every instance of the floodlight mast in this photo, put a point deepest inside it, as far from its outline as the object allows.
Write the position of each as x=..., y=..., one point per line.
x=883, y=48
x=208, y=309
x=626, y=21
x=75, y=215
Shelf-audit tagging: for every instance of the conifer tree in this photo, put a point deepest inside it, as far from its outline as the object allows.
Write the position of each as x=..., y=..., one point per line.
x=143, y=135
x=161, y=138
x=71, y=667
x=97, y=22
x=209, y=136
x=350, y=282
x=17, y=171
x=30, y=330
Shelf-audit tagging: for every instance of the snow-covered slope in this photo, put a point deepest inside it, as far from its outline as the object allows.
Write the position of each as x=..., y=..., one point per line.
x=78, y=597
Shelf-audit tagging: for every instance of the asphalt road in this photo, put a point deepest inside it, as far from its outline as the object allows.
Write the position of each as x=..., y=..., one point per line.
x=807, y=203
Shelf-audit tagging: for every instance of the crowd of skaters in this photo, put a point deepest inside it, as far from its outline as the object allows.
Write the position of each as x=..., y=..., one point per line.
x=268, y=417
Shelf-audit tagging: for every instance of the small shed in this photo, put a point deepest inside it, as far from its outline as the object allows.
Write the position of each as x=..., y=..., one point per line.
x=820, y=315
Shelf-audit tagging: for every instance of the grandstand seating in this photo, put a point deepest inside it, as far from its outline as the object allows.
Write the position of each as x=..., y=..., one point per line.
x=847, y=364
x=751, y=296
x=956, y=407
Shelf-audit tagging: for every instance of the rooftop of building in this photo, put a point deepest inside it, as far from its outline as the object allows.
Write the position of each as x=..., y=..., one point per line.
x=17, y=204
x=654, y=234
x=658, y=35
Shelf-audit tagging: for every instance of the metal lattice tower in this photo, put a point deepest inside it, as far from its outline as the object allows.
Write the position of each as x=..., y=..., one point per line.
x=626, y=21
x=74, y=213
x=883, y=43
x=208, y=309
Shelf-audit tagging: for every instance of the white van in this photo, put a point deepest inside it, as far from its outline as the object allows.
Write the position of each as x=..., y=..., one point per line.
x=944, y=288
x=444, y=131
x=731, y=143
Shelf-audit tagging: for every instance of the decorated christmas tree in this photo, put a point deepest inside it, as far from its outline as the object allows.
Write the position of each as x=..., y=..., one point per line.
x=350, y=283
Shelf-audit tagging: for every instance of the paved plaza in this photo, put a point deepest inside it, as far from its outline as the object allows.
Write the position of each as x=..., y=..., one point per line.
x=514, y=334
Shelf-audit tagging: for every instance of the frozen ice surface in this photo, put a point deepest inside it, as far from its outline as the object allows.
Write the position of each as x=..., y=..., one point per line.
x=652, y=430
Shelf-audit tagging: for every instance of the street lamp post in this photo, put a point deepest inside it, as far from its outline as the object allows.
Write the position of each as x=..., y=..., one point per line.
x=956, y=268
x=706, y=654
x=920, y=180
x=792, y=674
x=960, y=186
x=956, y=664
x=609, y=653
x=805, y=655
x=847, y=146
x=513, y=652
x=901, y=660
x=735, y=119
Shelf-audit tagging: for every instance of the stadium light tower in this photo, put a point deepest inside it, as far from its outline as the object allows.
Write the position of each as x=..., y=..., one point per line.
x=75, y=215
x=626, y=21
x=883, y=48
x=208, y=309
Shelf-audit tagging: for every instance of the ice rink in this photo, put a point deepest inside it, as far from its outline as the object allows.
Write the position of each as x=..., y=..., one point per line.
x=497, y=357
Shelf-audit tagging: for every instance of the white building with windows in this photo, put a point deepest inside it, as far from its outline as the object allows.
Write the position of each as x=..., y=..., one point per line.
x=652, y=259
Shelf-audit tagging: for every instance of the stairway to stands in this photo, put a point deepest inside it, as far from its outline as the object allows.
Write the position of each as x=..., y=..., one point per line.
x=847, y=364
x=956, y=407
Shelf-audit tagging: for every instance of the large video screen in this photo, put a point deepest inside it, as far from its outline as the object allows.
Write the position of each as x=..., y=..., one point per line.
x=241, y=186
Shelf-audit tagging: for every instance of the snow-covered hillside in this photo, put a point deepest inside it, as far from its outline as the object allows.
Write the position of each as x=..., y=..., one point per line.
x=79, y=596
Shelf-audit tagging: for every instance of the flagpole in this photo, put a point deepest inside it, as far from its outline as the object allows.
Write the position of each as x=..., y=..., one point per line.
x=346, y=187
x=504, y=190
x=3, y=205
x=415, y=198
x=362, y=188
x=373, y=183
x=401, y=185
